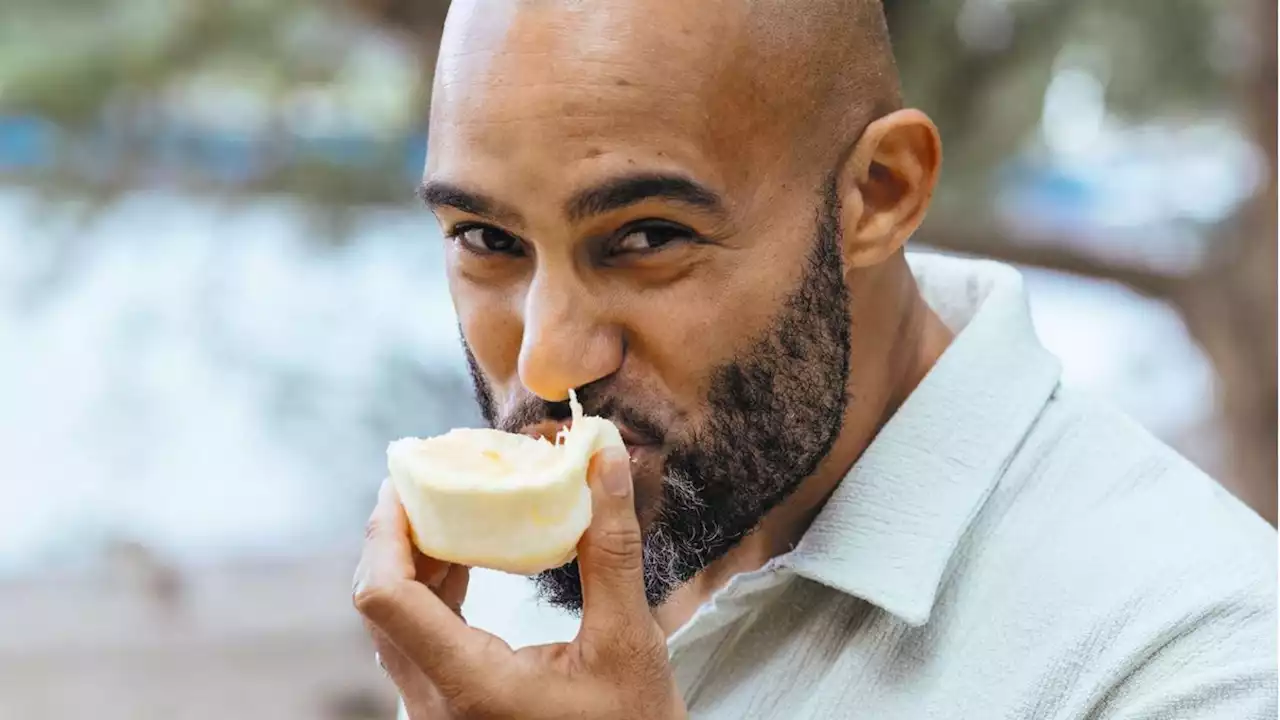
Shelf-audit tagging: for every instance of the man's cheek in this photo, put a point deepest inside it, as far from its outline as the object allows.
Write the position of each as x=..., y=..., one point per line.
x=493, y=332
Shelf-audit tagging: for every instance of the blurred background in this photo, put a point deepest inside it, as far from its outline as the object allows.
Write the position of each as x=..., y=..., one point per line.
x=219, y=301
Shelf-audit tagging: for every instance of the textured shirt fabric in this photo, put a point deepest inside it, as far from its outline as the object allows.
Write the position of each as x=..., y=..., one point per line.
x=1003, y=549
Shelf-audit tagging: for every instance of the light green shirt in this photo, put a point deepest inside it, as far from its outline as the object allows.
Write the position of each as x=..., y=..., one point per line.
x=1003, y=549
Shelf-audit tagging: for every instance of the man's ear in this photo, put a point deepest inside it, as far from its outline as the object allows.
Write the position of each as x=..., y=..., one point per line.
x=886, y=184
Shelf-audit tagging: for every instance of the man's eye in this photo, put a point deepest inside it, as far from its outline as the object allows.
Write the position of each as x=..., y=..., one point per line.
x=487, y=240
x=646, y=238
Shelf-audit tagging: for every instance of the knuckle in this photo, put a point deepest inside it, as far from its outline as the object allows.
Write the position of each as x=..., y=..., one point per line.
x=619, y=547
x=372, y=600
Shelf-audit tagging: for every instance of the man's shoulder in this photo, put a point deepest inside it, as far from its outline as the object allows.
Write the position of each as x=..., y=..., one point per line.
x=1094, y=506
x=1108, y=551
x=1085, y=466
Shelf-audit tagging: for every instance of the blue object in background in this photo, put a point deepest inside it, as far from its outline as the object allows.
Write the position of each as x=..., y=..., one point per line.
x=26, y=143
x=233, y=159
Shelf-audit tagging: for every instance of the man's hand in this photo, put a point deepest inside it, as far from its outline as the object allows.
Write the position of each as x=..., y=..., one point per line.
x=446, y=580
x=615, y=668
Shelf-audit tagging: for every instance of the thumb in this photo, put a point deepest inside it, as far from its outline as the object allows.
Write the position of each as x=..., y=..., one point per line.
x=609, y=553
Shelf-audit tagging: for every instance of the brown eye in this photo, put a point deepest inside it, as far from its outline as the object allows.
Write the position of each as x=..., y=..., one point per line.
x=485, y=240
x=650, y=237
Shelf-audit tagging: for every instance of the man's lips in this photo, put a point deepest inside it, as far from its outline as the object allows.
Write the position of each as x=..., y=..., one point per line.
x=643, y=452
x=548, y=429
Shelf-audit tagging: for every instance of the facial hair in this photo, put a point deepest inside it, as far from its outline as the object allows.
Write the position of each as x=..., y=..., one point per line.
x=773, y=415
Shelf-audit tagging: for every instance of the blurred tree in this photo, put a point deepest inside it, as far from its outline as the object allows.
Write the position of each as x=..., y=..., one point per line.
x=1229, y=301
x=979, y=67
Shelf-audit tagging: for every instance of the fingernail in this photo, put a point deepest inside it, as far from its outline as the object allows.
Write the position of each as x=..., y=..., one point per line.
x=617, y=472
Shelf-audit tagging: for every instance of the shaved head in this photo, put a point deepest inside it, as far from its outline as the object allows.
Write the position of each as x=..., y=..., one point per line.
x=684, y=210
x=812, y=73
x=797, y=79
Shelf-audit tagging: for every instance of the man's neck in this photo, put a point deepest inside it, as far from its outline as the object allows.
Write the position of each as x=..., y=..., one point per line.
x=912, y=337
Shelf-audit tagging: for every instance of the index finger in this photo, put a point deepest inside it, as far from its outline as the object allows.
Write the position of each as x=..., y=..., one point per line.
x=390, y=517
x=407, y=612
x=387, y=553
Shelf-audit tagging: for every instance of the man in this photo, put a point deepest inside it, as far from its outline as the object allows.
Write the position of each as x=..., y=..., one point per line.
x=855, y=488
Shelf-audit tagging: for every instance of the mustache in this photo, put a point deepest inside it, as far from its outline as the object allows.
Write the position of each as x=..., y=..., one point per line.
x=532, y=410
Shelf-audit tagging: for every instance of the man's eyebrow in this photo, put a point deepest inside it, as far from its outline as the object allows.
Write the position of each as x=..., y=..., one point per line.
x=631, y=189
x=437, y=193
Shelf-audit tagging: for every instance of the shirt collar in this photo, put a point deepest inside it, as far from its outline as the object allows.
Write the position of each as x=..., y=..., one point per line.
x=889, y=530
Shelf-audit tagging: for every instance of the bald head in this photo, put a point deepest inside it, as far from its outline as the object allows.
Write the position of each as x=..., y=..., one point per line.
x=815, y=72
x=761, y=82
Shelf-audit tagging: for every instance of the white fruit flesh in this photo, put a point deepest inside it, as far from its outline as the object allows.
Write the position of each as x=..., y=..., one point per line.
x=487, y=498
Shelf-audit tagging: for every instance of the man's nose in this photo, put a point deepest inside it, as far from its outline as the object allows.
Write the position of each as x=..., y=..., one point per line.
x=567, y=343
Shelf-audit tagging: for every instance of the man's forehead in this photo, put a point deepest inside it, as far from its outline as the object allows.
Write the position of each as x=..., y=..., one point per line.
x=578, y=80
x=584, y=28
x=660, y=43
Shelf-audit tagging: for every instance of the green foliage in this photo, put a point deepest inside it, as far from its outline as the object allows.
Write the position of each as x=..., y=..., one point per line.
x=979, y=67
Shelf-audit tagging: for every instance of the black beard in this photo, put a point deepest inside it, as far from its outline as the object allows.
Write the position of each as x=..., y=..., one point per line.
x=774, y=415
